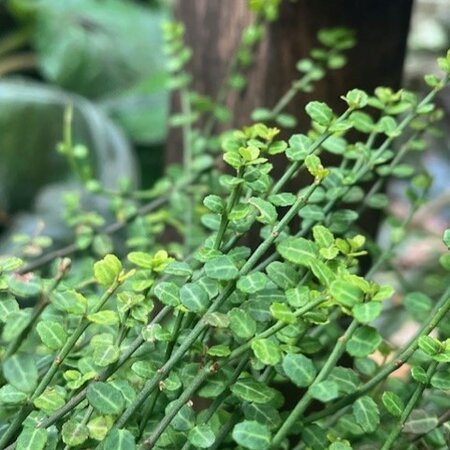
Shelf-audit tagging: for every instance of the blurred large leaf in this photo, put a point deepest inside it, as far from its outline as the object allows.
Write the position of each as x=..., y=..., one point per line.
x=30, y=127
x=109, y=50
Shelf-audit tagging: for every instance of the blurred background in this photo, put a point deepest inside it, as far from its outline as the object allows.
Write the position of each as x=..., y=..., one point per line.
x=106, y=58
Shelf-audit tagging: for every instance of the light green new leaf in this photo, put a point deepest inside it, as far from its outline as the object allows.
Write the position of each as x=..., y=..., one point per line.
x=52, y=334
x=105, y=398
x=20, y=371
x=194, y=297
x=221, y=268
x=105, y=317
x=366, y=414
x=51, y=399
x=267, y=351
x=107, y=270
x=99, y=426
x=74, y=433
x=283, y=313
x=201, y=436
x=299, y=369
x=141, y=259
x=32, y=438
x=252, y=435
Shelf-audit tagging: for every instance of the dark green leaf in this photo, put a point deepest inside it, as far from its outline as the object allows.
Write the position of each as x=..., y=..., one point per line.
x=252, y=435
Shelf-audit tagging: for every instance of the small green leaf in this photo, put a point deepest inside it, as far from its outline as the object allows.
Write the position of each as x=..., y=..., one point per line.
x=325, y=391
x=8, y=306
x=99, y=426
x=74, y=433
x=267, y=351
x=104, y=355
x=24, y=286
x=267, y=212
x=105, y=398
x=119, y=440
x=418, y=305
x=364, y=341
x=283, y=274
x=367, y=312
x=366, y=414
x=241, y=323
x=420, y=422
x=252, y=282
x=393, y=403
x=299, y=369
x=184, y=420
x=214, y=203
x=194, y=297
x=105, y=317
x=20, y=371
x=430, y=345
x=51, y=399
x=320, y=112
x=298, y=250
x=345, y=293
x=356, y=98
x=252, y=435
x=141, y=259
x=446, y=238
x=250, y=390
x=282, y=312
x=220, y=351
x=201, y=436
x=299, y=147
x=221, y=268
x=10, y=263
x=9, y=395
x=69, y=301
x=168, y=293
x=441, y=380
x=107, y=270
x=419, y=375
x=283, y=199
x=52, y=334
x=32, y=438
x=323, y=236
x=346, y=379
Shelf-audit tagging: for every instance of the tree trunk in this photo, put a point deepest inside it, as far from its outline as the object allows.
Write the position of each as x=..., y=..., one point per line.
x=213, y=30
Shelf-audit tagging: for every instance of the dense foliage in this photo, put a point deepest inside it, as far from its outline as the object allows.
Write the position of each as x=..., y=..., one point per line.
x=206, y=342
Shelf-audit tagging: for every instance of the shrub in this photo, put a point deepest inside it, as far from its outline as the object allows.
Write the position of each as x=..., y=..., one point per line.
x=208, y=343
